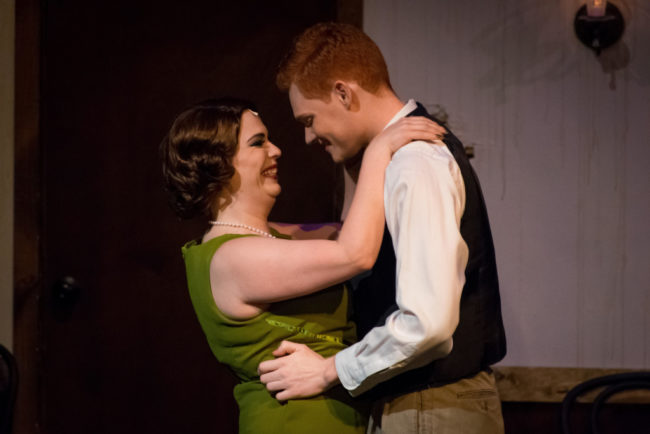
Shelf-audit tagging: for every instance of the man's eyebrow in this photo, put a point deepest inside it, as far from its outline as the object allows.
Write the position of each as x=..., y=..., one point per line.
x=256, y=137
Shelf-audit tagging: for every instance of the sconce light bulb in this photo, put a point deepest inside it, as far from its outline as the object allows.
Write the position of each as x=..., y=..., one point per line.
x=596, y=8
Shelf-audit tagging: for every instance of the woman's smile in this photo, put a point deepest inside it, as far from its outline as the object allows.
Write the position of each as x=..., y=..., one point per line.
x=271, y=172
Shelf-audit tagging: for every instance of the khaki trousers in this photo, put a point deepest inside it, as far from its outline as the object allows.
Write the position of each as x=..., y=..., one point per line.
x=469, y=406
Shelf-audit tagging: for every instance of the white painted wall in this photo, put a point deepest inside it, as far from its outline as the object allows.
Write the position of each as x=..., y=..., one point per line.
x=6, y=170
x=563, y=153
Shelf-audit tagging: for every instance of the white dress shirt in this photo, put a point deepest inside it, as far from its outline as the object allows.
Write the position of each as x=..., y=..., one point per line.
x=424, y=199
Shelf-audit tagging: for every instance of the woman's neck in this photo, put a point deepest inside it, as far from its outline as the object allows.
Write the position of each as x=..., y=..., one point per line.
x=256, y=221
x=252, y=215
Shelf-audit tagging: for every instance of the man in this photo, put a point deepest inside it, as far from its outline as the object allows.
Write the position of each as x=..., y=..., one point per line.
x=429, y=313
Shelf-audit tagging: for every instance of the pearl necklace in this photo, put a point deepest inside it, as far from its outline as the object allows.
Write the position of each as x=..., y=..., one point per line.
x=241, y=225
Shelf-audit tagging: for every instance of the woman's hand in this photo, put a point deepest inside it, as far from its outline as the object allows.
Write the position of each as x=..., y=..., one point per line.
x=407, y=130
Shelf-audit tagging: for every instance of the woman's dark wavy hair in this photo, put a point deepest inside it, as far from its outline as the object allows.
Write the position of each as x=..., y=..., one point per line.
x=197, y=154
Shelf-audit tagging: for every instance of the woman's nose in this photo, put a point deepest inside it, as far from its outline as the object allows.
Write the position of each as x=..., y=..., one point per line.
x=274, y=151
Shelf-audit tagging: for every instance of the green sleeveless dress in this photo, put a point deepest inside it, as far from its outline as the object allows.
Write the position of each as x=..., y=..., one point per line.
x=318, y=321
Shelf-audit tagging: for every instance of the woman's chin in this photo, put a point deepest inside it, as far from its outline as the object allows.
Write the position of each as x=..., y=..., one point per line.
x=273, y=190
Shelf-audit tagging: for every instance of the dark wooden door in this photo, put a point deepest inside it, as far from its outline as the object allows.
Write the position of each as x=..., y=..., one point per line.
x=122, y=352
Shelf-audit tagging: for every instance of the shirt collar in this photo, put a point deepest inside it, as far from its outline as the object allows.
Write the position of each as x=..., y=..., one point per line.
x=408, y=108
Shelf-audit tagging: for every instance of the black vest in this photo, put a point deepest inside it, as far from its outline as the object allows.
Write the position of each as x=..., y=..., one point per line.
x=479, y=339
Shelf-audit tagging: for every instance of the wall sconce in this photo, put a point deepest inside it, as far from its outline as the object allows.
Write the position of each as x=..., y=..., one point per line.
x=598, y=24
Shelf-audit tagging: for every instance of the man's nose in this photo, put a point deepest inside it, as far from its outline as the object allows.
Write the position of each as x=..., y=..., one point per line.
x=309, y=136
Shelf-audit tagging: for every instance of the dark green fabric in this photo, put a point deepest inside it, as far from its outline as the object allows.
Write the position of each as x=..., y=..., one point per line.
x=318, y=320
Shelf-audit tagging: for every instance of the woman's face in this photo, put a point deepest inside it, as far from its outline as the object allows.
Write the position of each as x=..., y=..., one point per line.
x=256, y=170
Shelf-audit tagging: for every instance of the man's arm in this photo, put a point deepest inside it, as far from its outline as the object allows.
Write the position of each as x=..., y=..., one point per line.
x=424, y=201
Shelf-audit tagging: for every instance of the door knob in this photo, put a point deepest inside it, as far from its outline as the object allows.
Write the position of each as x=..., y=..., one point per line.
x=66, y=291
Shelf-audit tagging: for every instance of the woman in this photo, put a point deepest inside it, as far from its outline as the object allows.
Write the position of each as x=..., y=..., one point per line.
x=251, y=286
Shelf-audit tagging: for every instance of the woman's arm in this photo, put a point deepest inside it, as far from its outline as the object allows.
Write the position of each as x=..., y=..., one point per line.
x=308, y=231
x=254, y=271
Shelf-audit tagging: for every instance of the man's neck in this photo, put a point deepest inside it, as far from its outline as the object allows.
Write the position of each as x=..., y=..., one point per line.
x=379, y=109
x=352, y=166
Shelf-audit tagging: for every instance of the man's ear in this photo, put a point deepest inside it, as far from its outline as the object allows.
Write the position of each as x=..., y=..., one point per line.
x=343, y=93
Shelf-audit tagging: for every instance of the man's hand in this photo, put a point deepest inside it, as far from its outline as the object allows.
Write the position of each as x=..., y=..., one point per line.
x=298, y=372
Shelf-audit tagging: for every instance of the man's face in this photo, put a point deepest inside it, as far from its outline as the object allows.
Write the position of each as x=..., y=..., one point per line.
x=329, y=124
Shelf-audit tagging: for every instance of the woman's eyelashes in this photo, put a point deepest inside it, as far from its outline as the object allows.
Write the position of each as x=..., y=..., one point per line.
x=260, y=142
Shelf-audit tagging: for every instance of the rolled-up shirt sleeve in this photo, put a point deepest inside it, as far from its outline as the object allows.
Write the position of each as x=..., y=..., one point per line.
x=424, y=199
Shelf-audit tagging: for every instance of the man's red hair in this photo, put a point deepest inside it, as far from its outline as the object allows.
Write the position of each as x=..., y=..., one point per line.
x=327, y=52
